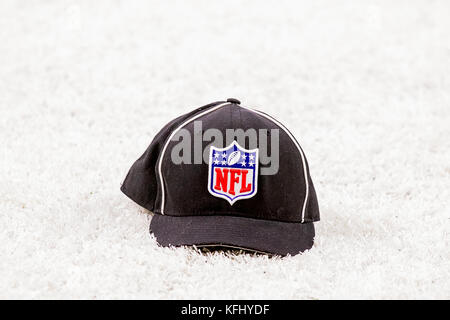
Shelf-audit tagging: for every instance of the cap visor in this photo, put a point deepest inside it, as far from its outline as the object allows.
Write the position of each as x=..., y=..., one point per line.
x=274, y=237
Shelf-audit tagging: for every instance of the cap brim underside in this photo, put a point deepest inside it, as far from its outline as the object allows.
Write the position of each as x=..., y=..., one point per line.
x=267, y=236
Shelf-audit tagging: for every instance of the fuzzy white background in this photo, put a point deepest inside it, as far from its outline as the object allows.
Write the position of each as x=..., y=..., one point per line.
x=363, y=85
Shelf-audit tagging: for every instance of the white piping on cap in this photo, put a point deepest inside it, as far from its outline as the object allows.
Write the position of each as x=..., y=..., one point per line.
x=161, y=156
x=299, y=149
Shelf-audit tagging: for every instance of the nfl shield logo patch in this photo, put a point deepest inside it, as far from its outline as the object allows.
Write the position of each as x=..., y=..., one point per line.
x=233, y=172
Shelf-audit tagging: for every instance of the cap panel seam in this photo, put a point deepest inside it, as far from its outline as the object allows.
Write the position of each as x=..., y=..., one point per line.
x=161, y=156
x=302, y=155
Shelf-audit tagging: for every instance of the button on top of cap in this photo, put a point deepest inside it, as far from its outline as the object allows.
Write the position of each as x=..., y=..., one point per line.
x=233, y=100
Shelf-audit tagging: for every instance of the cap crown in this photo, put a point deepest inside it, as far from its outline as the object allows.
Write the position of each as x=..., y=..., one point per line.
x=158, y=184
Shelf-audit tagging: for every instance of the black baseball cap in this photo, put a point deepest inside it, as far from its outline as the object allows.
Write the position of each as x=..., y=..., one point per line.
x=227, y=200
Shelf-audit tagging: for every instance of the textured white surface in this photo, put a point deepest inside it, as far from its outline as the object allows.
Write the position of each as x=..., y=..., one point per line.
x=84, y=86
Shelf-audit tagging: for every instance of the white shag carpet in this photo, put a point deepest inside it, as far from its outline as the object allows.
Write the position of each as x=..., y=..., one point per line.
x=363, y=85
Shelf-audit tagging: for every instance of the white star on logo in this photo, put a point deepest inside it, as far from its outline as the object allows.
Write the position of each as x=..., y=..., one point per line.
x=224, y=162
x=252, y=157
x=224, y=155
x=216, y=161
x=244, y=157
x=216, y=155
x=251, y=164
x=243, y=163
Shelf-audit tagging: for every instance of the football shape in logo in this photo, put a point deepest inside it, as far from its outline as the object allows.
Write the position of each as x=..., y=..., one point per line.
x=234, y=158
